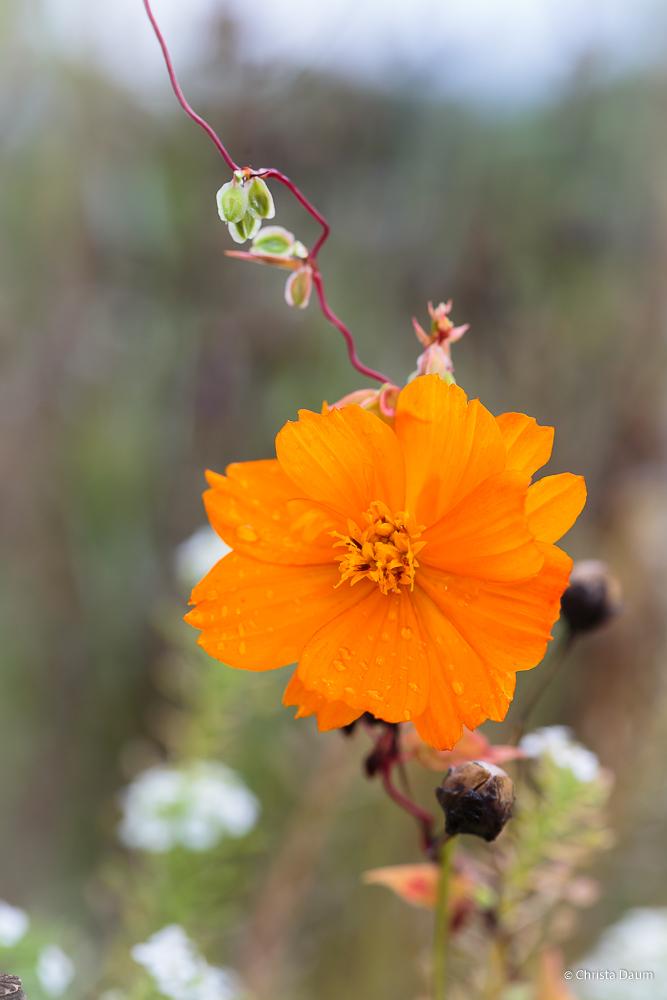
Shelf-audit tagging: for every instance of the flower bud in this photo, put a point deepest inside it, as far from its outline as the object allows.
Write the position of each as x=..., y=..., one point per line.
x=477, y=798
x=273, y=240
x=260, y=202
x=232, y=202
x=298, y=287
x=592, y=598
x=245, y=229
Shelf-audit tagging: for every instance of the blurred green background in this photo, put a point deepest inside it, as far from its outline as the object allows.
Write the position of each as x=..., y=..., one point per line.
x=135, y=355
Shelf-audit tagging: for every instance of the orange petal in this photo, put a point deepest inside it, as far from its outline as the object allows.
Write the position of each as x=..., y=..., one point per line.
x=487, y=534
x=528, y=445
x=372, y=657
x=464, y=688
x=249, y=509
x=554, y=504
x=506, y=624
x=345, y=458
x=450, y=445
x=258, y=616
x=330, y=715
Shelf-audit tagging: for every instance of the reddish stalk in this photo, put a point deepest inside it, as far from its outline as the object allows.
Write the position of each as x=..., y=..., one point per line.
x=271, y=172
x=424, y=818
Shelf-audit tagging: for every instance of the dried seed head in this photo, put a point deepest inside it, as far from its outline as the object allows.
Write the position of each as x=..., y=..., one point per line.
x=477, y=798
x=593, y=596
x=10, y=987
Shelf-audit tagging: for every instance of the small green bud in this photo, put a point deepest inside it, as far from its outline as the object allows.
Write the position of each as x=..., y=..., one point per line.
x=274, y=240
x=245, y=229
x=300, y=250
x=298, y=287
x=260, y=202
x=232, y=202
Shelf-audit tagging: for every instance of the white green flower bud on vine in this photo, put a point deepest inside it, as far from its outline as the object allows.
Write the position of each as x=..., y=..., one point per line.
x=299, y=250
x=274, y=240
x=245, y=229
x=260, y=201
x=299, y=286
x=232, y=200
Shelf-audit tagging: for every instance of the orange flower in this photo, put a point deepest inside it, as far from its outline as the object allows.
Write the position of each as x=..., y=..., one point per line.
x=410, y=570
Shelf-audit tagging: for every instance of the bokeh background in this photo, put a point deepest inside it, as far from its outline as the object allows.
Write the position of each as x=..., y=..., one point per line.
x=515, y=163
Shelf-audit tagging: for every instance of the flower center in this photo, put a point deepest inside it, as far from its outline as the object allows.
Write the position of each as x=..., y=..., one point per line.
x=384, y=551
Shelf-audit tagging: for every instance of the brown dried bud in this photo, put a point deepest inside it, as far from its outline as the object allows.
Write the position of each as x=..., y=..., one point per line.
x=10, y=987
x=477, y=798
x=592, y=598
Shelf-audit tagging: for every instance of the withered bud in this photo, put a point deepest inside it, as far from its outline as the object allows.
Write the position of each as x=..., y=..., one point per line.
x=592, y=598
x=11, y=987
x=477, y=798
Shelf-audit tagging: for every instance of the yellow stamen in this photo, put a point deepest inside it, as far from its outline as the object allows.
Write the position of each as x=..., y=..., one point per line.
x=384, y=552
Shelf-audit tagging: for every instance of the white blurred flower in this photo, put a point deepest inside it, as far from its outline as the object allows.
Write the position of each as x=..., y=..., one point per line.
x=637, y=943
x=178, y=969
x=195, y=806
x=13, y=924
x=55, y=970
x=198, y=554
x=557, y=742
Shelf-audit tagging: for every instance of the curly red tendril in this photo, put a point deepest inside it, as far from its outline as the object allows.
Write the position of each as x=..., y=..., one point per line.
x=264, y=173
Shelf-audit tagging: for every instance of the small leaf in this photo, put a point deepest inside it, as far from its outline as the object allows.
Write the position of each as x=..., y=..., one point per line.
x=260, y=202
x=232, y=202
x=298, y=287
x=274, y=240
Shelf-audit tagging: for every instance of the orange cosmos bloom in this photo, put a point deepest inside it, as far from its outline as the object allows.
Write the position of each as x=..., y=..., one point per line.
x=409, y=570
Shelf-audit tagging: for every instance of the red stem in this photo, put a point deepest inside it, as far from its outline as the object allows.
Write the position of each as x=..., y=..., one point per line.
x=425, y=818
x=270, y=172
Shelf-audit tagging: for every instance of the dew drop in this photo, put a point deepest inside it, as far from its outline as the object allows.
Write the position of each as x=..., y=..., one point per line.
x=450, y=666
x=221, y=645
x=363, y=664
x=386, y=637
x=239, y=610
x=406, y=715
x=275, y=516
x=269, y=595
x=414, y=687
x=370, y=637
x=339, y=665
x=345, y=653
x=350, y=691
x=375, y=694
x=458, y=687
x=379, y=660
x=241, y=630
x=242, y=647
x=392, y=616
x=461, y=603
x=406, y=632
x=439, y=640
x=224, y=611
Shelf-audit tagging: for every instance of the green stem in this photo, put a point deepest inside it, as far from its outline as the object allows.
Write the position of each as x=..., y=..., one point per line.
x=442, y=923
x=557, y=660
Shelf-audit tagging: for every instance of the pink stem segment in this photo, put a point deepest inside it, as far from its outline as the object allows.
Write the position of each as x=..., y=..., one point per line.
x=312, y=256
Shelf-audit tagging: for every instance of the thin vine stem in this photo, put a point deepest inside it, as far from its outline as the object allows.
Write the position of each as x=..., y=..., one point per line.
x=442, y=923
x=283, y=179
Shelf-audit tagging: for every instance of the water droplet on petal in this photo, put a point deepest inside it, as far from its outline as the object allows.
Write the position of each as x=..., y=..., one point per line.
x=379, y=660
x=241, y=630
x=392, y=616
x=242, y=647
x=414, y=687
x=350, y=691
x=386, y=636
x=375, y=694
x=224, y=611
x=363, y=664
x=406, y=715
x=406, y=632
x=339, y=665
x=345, y=653
x=221, y=645
x=458, y=687
x=239, y=610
